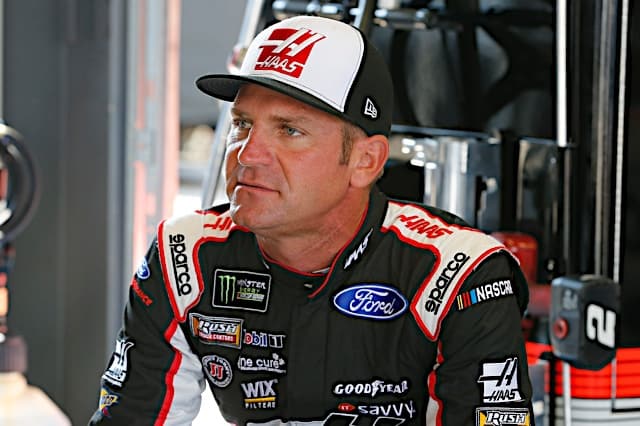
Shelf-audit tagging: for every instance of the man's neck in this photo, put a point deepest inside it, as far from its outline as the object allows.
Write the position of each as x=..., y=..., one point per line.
x=315, y=248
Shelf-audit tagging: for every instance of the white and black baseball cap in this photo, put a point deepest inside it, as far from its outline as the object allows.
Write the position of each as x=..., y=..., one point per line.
x=320, y=61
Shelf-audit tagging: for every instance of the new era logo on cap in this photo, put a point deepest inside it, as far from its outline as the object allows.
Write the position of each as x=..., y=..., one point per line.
x=287, y=50
x=370, y=109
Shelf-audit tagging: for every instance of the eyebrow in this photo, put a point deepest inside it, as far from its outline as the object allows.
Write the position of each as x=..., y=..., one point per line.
x=278, y=118
x=236, y=111
x=297, y=119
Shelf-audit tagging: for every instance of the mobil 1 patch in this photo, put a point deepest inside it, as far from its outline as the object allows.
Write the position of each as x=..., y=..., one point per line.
x=243, y=290
x=484, y=292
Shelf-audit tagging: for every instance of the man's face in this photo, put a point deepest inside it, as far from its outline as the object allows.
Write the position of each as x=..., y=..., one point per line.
x=283, y=169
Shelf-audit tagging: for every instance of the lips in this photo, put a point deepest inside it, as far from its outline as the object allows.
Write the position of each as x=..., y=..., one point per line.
x=247, y=179
x=252, y=186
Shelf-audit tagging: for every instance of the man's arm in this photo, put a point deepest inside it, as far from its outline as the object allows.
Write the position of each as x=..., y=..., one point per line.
x=482, y=373
x=153, y=377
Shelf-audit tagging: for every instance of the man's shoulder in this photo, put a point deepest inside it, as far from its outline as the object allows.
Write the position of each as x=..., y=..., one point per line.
x=427, y=226
x=180, y=239
x=458, y=249
x=213, y=223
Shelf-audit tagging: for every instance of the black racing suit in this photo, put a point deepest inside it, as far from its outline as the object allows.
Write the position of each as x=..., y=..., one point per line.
x=417, y=321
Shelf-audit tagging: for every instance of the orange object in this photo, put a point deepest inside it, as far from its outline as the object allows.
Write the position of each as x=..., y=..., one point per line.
x=589, y=384
x=525, y=248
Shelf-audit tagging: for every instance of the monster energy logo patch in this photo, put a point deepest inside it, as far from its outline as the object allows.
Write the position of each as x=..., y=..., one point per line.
x=241, y=290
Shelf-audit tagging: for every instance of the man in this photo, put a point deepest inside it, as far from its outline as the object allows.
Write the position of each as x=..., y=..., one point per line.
x=311, y=297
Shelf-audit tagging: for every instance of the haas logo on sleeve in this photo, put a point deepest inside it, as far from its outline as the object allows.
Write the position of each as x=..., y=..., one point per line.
x=500, y=381
x=117, y=372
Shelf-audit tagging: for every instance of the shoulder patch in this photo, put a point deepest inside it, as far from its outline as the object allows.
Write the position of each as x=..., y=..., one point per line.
x=458, y=250
x=179, y=239
x=483, y=292
x=415, y=225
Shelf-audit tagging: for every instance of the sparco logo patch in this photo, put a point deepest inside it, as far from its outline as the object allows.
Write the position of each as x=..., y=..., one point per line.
x=373, y=301
x=484, y=292
x=180, y=264
x=448, y=274
x=144, y=297
x=118, y=369
x=500, y=381
x=260, y=394
x=503, y=416
x=371, y=388
x=286, y=51
x=216, y=330
x=218, y=370
x=241, y=290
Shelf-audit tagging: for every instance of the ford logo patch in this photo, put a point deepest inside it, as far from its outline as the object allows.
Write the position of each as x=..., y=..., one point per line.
x=374, y=301
x=143, y=270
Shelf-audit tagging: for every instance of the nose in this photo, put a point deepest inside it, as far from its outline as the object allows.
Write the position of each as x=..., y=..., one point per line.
x=254, y=149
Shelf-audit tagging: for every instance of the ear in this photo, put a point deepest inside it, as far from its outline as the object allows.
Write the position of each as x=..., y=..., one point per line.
x=368, y=158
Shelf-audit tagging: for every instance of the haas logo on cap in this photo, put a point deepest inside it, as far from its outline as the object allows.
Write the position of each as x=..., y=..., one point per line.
x=286, y=51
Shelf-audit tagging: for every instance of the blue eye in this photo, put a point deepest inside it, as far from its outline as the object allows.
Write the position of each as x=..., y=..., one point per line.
x=291, y=131
x=240, y=129
x=241, y=123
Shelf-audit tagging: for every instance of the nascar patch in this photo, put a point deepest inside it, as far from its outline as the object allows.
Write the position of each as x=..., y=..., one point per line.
x=484, y=292
x=502, y=416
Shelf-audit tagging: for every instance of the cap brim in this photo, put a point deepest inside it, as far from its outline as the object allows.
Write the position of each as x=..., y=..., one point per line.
x=226, y=86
